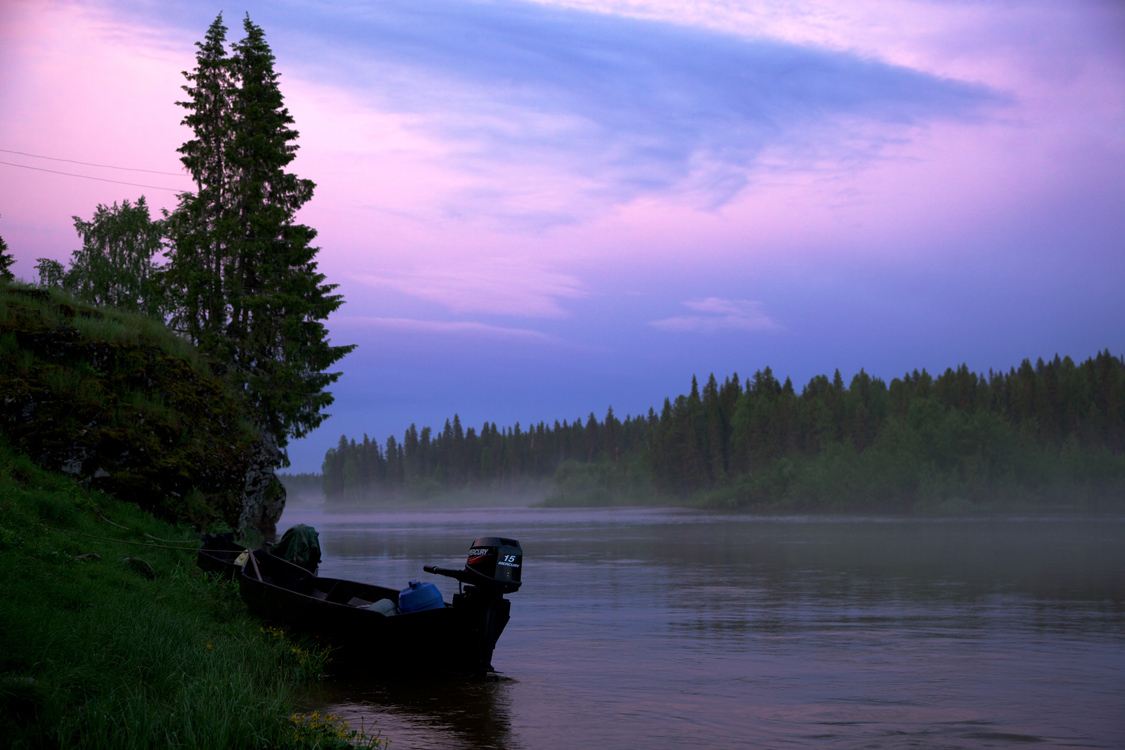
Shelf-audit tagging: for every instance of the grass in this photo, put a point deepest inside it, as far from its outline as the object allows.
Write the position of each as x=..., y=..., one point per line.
x=98, y=655
x=56, y=308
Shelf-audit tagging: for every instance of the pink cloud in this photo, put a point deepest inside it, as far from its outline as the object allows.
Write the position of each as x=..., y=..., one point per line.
x=498, y=286
x=442, y=327
x=720, y=315
x=72, y=90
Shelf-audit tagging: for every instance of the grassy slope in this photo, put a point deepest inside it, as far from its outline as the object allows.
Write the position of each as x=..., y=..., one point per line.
x=134, y=405
x=97, y=655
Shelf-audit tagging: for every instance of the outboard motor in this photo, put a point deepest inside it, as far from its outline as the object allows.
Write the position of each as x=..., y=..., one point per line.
x=491, y=570
x=494, y=563
x=497, y=559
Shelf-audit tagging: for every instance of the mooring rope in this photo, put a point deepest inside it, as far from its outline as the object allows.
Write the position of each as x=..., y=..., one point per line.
x=98, y=513
x=174, y=541
x=121, y=541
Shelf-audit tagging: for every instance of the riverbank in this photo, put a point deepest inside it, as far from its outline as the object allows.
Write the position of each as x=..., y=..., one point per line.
x=113, y=638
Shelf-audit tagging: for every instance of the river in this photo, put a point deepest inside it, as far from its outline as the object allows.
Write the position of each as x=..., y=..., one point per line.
x=656, y=628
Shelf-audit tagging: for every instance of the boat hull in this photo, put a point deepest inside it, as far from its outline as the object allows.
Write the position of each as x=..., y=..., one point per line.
x=217, y=555
x=458, y=637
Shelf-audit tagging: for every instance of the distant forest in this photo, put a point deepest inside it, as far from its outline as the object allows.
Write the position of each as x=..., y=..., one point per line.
x=303, y=485
x=1049, y=433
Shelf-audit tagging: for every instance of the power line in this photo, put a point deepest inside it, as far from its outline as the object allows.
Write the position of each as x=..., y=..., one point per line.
x=89, y=164
x=87, y=177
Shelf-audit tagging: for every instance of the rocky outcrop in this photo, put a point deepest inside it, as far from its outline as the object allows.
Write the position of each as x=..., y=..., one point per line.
x=120, y=403
x=263, y=495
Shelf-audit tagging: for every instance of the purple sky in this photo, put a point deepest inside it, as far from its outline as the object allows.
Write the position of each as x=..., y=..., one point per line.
x=536, y=210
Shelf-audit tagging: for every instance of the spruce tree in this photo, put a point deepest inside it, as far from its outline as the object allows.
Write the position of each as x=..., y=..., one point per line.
x=201, y=260
x=278, y=299
x=252, y=295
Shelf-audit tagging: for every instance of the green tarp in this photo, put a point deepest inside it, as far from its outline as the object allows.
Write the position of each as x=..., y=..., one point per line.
x=300, y=546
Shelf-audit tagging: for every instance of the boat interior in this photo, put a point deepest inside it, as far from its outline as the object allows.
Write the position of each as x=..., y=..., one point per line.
x=332, y=590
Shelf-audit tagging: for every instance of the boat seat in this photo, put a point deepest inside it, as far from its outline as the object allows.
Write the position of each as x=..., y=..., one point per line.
x=341, y=594
x=355, y=601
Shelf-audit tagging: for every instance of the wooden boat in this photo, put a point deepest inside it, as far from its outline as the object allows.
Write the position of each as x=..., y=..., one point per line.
x=218, y=553
x=453, y=637
x=221, y=555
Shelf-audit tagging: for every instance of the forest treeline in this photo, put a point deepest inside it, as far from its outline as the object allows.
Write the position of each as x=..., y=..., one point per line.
x=1053, y=431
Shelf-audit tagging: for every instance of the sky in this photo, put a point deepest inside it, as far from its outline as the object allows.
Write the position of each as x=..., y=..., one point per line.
x=539, y=210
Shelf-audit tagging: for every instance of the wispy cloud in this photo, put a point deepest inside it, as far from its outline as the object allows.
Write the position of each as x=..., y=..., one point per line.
x=642, y=105
x=495, y=286
x=720, y=315
x=441, y=327
x=626, y=106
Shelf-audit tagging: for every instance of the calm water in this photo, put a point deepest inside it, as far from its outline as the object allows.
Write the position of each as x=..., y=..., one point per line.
x=669, y=629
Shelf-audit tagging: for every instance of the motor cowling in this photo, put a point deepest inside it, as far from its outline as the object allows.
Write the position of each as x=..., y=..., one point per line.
x=497, y=559
x=494, y=565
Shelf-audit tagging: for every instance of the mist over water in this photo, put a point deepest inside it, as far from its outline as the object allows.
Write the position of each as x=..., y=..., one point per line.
x=653, y=628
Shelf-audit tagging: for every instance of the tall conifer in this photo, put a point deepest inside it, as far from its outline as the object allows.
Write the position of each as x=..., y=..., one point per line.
x=201, y=258
x=251, y=291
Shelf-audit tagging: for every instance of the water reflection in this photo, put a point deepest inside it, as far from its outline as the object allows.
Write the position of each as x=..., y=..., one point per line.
x=421, y=711
x=657, y=628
